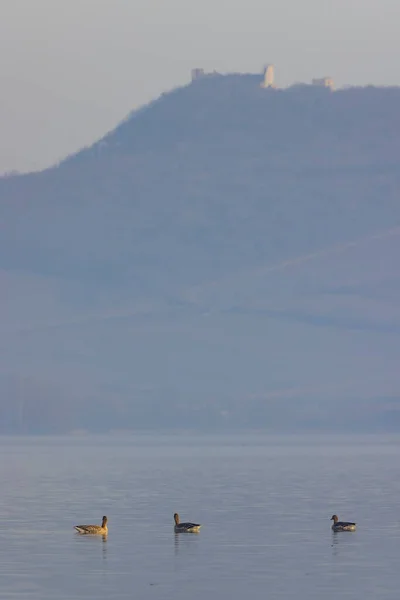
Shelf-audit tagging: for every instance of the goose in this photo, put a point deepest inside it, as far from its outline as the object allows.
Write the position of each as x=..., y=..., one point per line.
x=93, y=529
x=185, y=527
x=342, y=525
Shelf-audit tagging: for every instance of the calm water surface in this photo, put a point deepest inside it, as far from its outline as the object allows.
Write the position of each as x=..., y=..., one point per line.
x=264, y=502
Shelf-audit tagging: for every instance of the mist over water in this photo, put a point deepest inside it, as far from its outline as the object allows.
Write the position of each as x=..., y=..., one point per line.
x=264, y=503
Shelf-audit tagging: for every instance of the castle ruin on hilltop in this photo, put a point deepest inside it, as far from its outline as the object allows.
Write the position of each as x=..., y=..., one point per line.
x=268, y=80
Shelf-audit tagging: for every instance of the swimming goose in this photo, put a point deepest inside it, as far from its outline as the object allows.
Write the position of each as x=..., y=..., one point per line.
x=93, y=529
x=342, y=525
x=185, y=527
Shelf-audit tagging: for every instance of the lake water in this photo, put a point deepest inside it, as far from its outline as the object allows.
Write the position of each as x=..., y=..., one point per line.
x=264, y=502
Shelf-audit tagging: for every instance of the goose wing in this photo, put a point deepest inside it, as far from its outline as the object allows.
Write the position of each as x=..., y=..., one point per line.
x=189, y=525
x=88, y=528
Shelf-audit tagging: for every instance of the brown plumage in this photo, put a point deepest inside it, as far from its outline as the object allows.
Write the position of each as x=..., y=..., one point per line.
x=342, y=525
x=185, y=527
x=93, y=529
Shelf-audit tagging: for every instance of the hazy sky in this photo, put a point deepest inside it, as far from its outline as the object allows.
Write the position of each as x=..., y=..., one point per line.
x=72, y=69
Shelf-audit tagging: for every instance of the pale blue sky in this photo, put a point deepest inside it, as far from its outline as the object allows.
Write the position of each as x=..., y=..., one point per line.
x=71, y=69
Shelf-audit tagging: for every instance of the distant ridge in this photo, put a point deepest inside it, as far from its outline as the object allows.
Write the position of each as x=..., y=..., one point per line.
x=225, y=257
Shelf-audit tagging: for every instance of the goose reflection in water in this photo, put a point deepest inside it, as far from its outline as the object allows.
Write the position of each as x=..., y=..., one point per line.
x=94, y=539
x=338, y=541
x=185, y=542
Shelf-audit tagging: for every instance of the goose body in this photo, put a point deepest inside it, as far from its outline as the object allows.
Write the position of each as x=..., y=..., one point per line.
x=342, y=525
x=185, y=527
x=93, y=529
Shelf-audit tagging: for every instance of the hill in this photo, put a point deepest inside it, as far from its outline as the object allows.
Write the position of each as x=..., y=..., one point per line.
x=226, y=257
